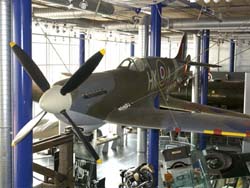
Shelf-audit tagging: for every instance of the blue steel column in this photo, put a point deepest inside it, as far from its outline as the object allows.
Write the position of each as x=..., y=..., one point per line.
x=22, y=95
x=155, y=50
x=82, y=49
x=232, y=53
x=132, y=49
x=204, y=78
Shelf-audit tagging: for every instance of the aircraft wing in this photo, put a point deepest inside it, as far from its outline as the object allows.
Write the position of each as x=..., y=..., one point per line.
x=182, y=105
x=182, y=121
x=46, y=128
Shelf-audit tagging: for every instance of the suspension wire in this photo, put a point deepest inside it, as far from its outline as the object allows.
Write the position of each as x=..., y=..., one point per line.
x=158, y=83
x=53, y=47
x=235, y=54
x=162, y=89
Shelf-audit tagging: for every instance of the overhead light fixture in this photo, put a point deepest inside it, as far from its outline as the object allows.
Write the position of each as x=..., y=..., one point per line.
x=193, y=1
x=216, y=1
x=83, y=4
x=206, y=1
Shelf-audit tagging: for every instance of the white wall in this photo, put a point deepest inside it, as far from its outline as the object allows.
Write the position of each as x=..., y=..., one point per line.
x=56, y=54
x=243, y=57
x=219, y=53
x=60, y=53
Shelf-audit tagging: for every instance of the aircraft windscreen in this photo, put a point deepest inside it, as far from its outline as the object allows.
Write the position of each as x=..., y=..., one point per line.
x=128, y=63
x=132, y=64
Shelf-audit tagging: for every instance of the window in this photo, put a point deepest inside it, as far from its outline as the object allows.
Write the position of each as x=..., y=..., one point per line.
x=129, y=64
x=135, y=64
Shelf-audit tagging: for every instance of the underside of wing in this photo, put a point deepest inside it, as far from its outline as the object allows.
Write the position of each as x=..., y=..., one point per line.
x=182, y=105
x=46, y=128
x=182, y=121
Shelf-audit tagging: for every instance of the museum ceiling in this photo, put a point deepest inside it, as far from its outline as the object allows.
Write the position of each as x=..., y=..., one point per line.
x=125, y=15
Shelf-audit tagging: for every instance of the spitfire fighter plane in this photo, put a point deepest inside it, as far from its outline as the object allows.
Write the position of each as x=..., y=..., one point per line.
x=126, y=96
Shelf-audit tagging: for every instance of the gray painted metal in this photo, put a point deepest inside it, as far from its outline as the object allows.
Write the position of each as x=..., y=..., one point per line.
x=124, y=27
x=195, y=82
x=93, y=5
x=247, y=94
x=246, y=141
x=60, y=14
x=5, y=95
x=188, y=24
x=143, y=33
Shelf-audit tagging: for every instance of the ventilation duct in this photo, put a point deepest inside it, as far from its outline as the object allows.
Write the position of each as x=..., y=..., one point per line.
x=81, y=23
x=121, y=27
x=134, y=3
x=143, y=36
x=53, y=13
x=188, y=24
x=92, y=5
x=5, y=95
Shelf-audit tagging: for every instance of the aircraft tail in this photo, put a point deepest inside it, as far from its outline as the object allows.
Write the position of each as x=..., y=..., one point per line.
x=189, y=63
x=182, y=49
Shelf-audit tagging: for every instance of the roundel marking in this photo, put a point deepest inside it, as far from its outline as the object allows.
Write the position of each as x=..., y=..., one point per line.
x=162, y=72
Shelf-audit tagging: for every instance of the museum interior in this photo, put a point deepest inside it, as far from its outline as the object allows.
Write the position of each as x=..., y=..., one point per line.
x=147, y=93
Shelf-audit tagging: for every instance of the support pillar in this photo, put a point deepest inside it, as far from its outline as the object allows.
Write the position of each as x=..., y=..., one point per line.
x=22, y=95
x=143, y=33
x=232, y=53
x=82, y=49
x=204, y=78
x=155, y=50
x=132, y=49
x=5, y=95
x=246, y=141
x=195, y=83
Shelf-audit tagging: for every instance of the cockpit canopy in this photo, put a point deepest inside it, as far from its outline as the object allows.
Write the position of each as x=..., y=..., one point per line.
x=134, y=64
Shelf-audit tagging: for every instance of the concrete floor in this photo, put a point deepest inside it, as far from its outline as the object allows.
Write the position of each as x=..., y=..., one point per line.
x=121, y=158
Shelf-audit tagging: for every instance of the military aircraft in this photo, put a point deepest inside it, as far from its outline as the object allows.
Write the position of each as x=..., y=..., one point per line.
x=225, y=93
x=126, y=96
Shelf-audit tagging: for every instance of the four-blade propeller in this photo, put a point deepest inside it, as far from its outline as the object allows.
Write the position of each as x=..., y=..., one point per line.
x=58, y=98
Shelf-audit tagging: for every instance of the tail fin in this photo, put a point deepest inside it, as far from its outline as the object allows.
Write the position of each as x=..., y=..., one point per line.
x=183, y=49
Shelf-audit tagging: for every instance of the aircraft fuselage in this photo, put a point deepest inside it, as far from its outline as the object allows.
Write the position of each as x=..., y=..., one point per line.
x=133, y=81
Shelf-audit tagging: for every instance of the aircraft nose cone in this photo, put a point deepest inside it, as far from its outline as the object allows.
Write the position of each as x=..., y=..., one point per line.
x=54, y=102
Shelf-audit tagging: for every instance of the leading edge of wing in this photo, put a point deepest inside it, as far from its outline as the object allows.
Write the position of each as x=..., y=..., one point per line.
x=182, y=121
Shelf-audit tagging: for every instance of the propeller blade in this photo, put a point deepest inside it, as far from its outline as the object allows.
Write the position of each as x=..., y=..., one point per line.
x=82, y=73
x=27, y=128
x=31, y=68
x=78, y=132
